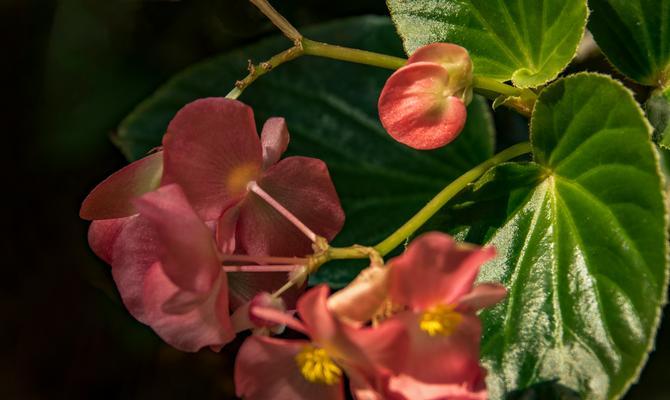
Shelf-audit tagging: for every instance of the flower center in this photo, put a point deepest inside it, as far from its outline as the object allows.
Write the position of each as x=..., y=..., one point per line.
x=440, y=320
x=240, y=177
x=317, y=367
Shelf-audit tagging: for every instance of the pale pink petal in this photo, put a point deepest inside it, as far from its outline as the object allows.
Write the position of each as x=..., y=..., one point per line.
x=266, y=369
x=188, y=252
x=435, y=269
x=199, y=324
x=383, y=347
x=483, y=295
x=212, y=151
x=243, y=286
x=408, y=388
x=265, y=300
x=277, y=317
x=303, y=186
x=244, y=319
x=135, y=251
x=452, y=359
x=102, y=235
x=363, y=297
x=454, y=58
x=226, y=229
x=274, y=139
x=418, y=109
x=112, y=197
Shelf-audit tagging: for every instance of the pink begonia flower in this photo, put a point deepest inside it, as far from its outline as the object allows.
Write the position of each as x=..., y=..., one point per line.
x=423, y=104
x=434, y=280
x=166, y=266
x=213, y=151
x=269, y=368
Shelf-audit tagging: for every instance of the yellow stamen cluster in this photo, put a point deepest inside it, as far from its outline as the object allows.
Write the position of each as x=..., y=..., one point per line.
x=440, y=320
x=317, y=367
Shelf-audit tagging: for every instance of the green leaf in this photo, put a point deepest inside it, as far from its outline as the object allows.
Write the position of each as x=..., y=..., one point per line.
x=331, y=110
x=527, y=41
x=658, y=113
x=582, y=245
x=635, y=37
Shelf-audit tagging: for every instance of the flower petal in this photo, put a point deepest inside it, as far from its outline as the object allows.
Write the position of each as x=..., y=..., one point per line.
x=200, y=321
x=435, y=269
x=455, y=59
x=243, y=286
x=188, y=252
x=417, y=108
x=274, y=139
x=226, y=229
x=112, y=197
x=303, y=186
x=368, y=349
x=412, y=389
x=266, y=369
x=363, y=297
x=212, y=151
x=452, y=359
x=102, y=235
x=483, y=295
x=135, y=251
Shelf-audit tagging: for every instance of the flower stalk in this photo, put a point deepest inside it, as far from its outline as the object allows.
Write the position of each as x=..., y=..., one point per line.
x=522, y=100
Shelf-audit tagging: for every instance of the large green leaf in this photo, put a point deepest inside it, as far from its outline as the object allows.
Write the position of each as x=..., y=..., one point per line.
x=331, y=112
x=581, y=238
x=527, y=41
x=635, y=37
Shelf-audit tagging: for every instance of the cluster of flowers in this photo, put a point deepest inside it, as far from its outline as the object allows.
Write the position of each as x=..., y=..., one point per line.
x=200, y=232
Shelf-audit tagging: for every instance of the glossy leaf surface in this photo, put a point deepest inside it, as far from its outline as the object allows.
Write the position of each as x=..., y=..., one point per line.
x=582, y=245
x=635, y=37
x=527, y=41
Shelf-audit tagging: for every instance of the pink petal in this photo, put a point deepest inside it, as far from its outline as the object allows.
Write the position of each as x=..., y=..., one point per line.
x=367, y=349
x=482, y=296
x=212, y=151
x=226, y=229
x=418, y=109
x=435, y=269
x=266, y=369
x=243, y=286
x=363, y=297
x=278, y=317
x=274, y=139
x=188, y=252
x=135, y=251
x=412, y=389
x=452, y=359
x=112, y=197
x=202, y=320
x=455, y=59
x=102, y=235
x=303, y=186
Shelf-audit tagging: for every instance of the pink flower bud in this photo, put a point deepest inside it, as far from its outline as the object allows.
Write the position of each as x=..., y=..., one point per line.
x=423, y=104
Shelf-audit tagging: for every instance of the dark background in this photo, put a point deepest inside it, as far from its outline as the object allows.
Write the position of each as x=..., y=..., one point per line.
x=71, y=70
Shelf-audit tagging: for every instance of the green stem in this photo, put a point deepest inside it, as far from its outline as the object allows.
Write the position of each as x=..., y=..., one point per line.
x=447, y=194
x=258, y=70
x=326, y=50
x=491, y=85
